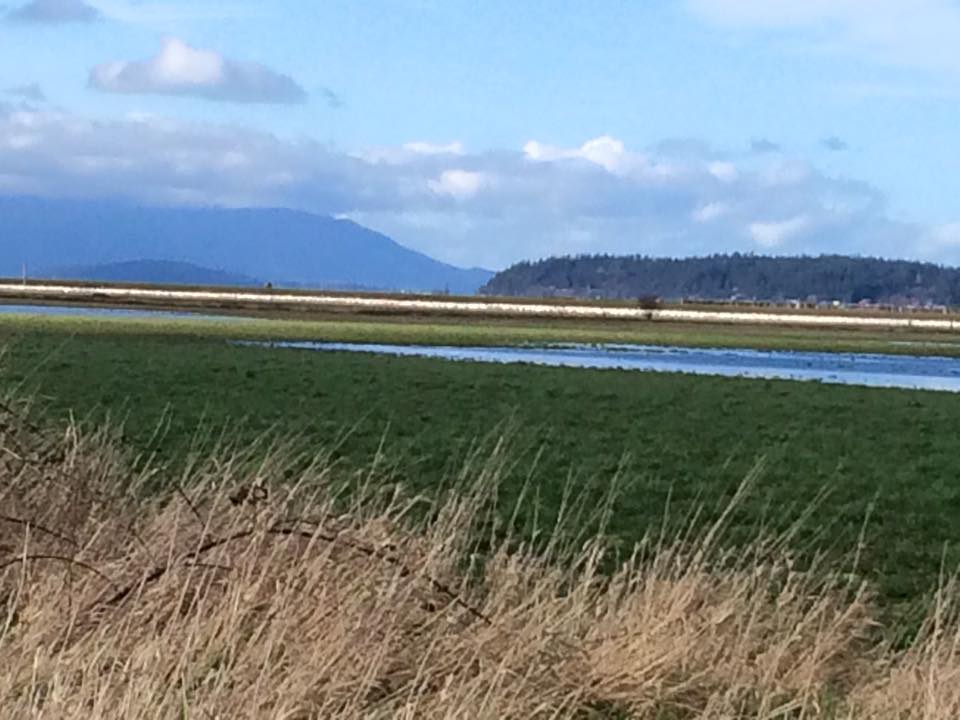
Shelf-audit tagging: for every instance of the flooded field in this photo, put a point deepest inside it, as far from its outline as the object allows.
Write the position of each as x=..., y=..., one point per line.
x=909, y=371
x=94, y=312
x=873, y=370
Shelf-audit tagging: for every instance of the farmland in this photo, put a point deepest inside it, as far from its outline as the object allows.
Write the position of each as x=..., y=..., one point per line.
x=351, y=324
x=354, y=535
x=886, y=458
x=300, y=301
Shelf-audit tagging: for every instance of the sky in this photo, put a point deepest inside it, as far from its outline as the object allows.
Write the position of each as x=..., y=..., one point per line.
x=487, y=132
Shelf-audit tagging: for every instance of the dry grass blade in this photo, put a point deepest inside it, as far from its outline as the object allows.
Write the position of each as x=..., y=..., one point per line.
x=247, y=609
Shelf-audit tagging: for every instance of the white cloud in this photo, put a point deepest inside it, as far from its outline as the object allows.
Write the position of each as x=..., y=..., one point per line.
x=410, y=152
x=785, y=172
x=428, y=148
x=605, y=151
x=710, y=212
x=943, y=237
x=538, y=152
x=179, y=69
x=459, y=184
x=485, y=209
x=909, y=33
x=179, y=64
x=774, y=234
x=723, y=171
x=948, y=234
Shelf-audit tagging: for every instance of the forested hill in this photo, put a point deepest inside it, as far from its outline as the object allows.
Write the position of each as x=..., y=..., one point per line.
x=721, y=277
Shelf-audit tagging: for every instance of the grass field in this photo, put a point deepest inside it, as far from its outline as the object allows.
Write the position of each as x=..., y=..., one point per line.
x=413, y=329
x=888, y=457
x=250, y=590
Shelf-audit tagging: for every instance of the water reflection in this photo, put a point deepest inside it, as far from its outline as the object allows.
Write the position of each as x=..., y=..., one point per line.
x=94, y=312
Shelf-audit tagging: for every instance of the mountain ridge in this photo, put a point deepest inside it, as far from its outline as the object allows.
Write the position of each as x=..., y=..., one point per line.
x=160, y=272
x=271, y=244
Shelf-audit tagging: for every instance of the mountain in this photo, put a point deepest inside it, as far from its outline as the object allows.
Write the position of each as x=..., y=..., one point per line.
x=721, y=277
x=160, y=272
x=274, y=245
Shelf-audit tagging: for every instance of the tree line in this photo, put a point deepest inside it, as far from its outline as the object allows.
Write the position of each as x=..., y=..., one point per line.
x=736, y=276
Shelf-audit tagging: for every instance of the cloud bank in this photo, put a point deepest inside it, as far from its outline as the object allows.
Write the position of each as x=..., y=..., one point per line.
x=489, y=209
x=179, y=69
x=54, y=12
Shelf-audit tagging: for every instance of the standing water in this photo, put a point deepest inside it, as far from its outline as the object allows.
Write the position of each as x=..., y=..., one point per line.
x=107, y=312
x=874, y=370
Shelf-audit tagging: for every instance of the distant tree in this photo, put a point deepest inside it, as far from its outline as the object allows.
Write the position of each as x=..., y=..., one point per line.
x=722, y=277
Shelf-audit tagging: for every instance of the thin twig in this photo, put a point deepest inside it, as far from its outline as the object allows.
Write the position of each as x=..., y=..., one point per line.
x=30, y=524
x=210, y=566
x=57, y=558
x=159, y=571
x=193, y=508
x=405, y=571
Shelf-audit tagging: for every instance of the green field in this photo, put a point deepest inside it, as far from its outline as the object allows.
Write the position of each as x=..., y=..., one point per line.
x=414, y=329
x=679, y=442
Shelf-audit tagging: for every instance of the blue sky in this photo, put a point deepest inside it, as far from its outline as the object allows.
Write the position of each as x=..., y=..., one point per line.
x=486, y=132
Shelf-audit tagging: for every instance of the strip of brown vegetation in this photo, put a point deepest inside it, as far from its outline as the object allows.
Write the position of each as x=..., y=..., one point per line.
x=252, y=591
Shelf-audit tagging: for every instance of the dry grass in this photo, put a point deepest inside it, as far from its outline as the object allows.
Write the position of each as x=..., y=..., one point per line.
x=251, y=591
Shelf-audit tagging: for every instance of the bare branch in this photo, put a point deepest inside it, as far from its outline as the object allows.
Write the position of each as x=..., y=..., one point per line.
x=36, y=526
x=57, y=558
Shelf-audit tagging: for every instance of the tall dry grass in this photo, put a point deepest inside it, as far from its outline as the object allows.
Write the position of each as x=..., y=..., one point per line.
x=250, y=590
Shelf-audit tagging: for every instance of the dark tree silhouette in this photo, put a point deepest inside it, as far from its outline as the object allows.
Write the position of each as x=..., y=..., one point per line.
x=741, y=276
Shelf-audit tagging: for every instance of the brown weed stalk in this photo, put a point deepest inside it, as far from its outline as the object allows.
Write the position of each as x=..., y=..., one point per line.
x=248, y=589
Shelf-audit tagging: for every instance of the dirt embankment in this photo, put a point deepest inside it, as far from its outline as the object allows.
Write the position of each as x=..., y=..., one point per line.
x=239, y=300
